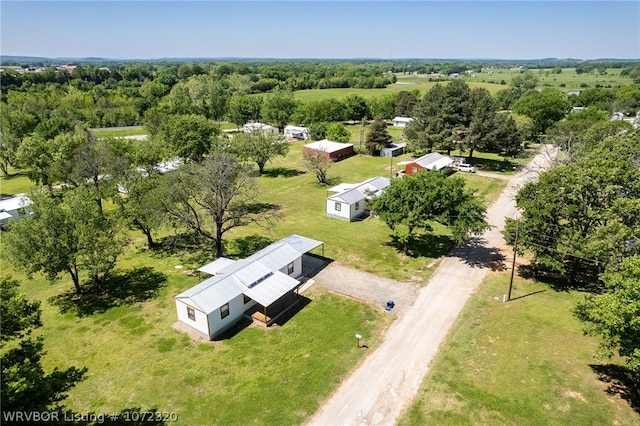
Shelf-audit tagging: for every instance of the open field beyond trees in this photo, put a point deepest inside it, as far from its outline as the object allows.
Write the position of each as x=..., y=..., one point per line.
x=498, y=79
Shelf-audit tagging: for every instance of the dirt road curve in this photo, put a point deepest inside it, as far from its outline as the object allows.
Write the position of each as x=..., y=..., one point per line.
x=383, y=385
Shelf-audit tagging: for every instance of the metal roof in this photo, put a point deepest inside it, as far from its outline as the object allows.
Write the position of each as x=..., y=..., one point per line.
x=360, y=191
x=272, y=288
x=328, y=146
x=349, y=196
x=374, y=184
x=433, y=161
x=216, y=266
x=276, y=256
x=14, y=203
x=301, y=244
x=212, y=293
x=257, y=276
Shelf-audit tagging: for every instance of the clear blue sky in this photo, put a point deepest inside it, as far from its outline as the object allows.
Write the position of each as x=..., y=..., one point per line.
x=322, y=29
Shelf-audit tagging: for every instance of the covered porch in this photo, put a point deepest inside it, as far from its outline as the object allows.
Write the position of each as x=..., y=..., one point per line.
x=267, y=315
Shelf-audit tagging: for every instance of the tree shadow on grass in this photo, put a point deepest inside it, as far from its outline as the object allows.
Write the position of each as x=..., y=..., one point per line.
x=621, y=381
x=124, y=288
x=489, y=165
x=190, y=248
x=425, y=245
x=281, y=172
x=246, y=246
x=560, y=282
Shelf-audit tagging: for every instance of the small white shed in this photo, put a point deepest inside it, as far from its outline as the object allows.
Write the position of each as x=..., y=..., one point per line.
x=401, y=121
x=349, y=201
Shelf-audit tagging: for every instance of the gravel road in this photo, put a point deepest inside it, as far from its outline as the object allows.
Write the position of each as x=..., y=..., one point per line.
x=379, y=390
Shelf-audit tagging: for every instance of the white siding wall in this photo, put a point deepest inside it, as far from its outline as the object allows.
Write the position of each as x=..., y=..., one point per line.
x=344, y=210
x=359, y=211
x=297, y=268
x=200, y=324
x=236, y=310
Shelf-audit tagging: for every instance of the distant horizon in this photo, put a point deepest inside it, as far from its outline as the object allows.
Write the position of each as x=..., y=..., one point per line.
x=332, y=30
x=240, y=58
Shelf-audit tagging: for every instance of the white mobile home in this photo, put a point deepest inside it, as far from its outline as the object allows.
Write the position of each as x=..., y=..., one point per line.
x=259, y=127
x=296, y=133
x=15, y=208
x=349, y=201
x=260, y=287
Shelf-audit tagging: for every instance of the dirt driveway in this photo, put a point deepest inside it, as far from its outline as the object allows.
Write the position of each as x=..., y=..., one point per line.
x=367, y=287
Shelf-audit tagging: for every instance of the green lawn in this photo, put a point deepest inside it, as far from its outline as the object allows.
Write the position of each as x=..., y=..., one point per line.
x=364, y=245
x=110, y=133
x=136, y=359
x=277, y=376
x=525, y=362
x=16, y=182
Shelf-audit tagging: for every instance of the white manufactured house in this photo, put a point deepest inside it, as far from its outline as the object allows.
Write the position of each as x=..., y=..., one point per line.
x=15, y=208
x=401, y=121
x=259, y=127
x=296, y=133
x=260, y=287
x=349, y=201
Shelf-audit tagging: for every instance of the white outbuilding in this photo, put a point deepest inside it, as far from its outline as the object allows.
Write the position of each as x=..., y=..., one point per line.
x=350, y=201
x=401, y=121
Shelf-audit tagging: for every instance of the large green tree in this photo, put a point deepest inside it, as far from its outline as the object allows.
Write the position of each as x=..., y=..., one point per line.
x=278, y=107
x=214, y=197
x=577, y=217
x=190, y=136
x=141, y=204
x=414, y=203
x=377, y=135
x=337, y=132
x=544, y=108
x=614, y=315
x=260, y=147
x=66, y=235
x=25, y=386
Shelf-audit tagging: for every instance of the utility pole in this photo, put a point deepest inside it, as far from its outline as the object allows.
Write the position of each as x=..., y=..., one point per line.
x=513, y=263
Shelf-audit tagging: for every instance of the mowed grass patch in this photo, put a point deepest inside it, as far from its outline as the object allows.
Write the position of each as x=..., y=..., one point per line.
x=256, y=376
x=524, y=362
x=16, y=182
x=118, y=133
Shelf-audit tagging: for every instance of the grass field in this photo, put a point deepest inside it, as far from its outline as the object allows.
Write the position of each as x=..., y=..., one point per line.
x=525, y=362
x=17, y=182
x=135, y=359
x=567, y=80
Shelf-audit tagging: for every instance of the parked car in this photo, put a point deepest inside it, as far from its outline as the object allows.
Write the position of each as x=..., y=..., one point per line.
x=466, y=168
